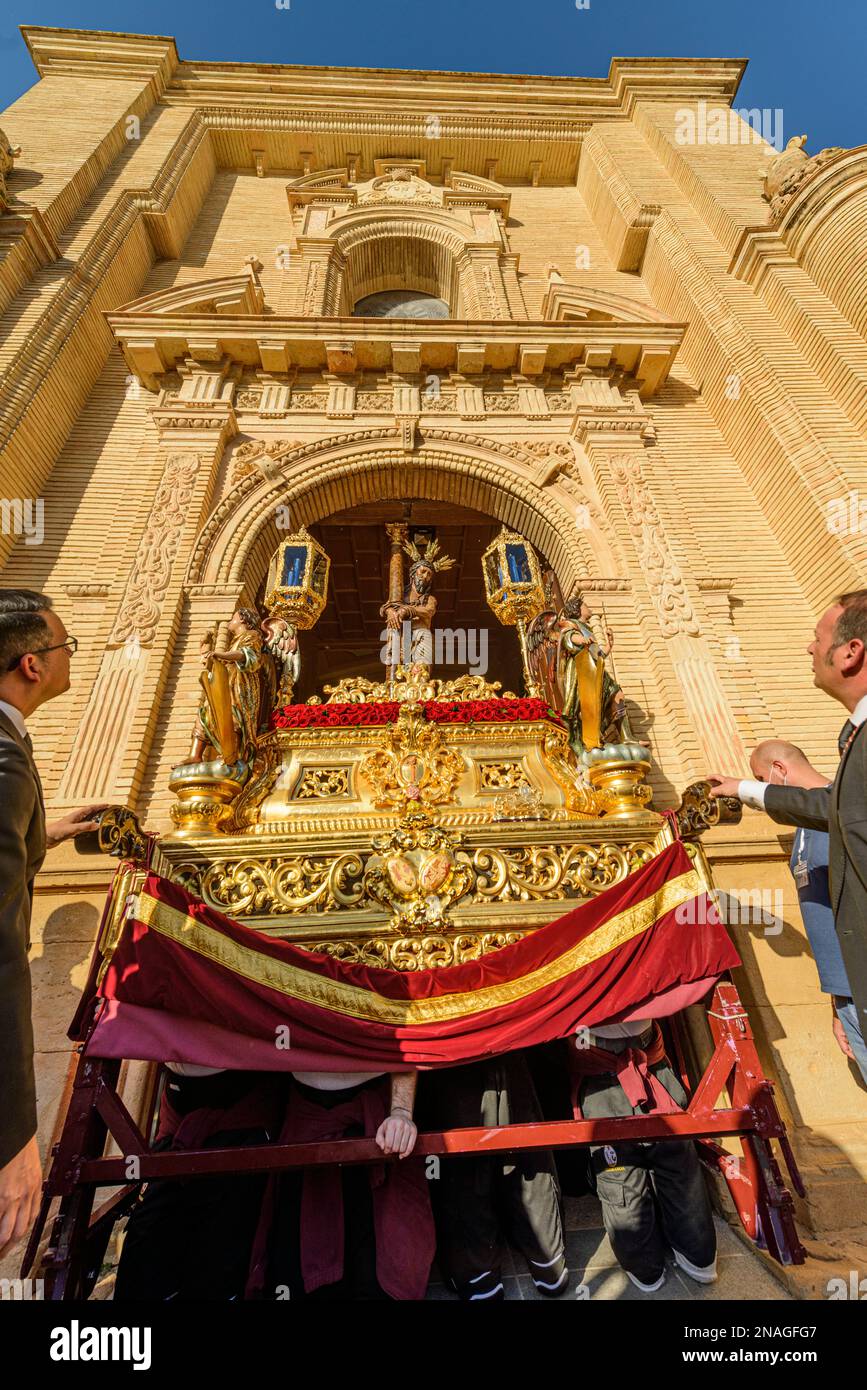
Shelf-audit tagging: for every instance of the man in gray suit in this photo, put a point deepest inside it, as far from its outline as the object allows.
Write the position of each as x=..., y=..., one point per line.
x=35, y=651
x=839, y=653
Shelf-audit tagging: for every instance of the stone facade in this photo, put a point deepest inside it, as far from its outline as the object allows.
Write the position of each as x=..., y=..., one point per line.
x=652, y=371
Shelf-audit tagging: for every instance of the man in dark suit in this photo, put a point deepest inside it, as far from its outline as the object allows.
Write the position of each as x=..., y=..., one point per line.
x=839, y=653
x=35, y=651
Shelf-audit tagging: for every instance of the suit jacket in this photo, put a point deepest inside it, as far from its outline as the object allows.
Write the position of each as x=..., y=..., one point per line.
x=842, y=811
x=22, y=850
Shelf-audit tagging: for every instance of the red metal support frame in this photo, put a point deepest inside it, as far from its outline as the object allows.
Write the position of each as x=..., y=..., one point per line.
x=71, y=1263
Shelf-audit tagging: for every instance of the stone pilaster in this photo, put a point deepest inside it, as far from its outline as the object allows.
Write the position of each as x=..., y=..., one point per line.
x=122, y=717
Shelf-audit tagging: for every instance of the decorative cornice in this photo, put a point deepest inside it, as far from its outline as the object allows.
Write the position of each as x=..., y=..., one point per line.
x=153, y=344
x=517, y=105
x=100, y=53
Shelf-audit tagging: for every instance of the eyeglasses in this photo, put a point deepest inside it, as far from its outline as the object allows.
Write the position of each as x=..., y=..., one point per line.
x=70, y=645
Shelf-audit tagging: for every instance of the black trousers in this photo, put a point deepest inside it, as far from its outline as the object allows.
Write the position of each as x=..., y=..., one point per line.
x=653, y=1195
x=480, y=1203
x=191, y=1238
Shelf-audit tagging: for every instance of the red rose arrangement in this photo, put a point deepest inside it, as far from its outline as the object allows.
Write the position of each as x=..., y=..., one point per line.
x=347, y=715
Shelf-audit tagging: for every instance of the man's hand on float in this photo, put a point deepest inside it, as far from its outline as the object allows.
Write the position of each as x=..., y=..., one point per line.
x=397, y=1134
x=20, y=1189
x=76, y=823
x=723, y=786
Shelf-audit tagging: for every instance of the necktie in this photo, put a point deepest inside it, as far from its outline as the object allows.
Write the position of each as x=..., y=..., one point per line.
x=845, y=733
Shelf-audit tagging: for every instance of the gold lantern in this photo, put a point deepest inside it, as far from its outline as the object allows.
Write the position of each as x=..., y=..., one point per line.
x=297, y=585
x=514, y=588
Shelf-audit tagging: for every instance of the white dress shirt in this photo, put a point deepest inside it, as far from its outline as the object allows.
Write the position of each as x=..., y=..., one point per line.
x=753, y=793
x=15, y=715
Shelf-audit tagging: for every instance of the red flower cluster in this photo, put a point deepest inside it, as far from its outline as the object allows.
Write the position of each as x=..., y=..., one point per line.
x=487, y=711
x=337, y=716
x=346, y=715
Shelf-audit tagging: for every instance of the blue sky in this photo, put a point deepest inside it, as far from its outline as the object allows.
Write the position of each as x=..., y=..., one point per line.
x=805, y=57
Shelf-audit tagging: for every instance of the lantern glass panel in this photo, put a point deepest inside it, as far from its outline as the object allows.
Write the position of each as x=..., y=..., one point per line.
x=294, y=562
x=495, y=573
x=519, y=565
x=320, y=575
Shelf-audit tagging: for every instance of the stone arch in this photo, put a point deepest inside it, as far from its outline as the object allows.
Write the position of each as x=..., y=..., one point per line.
x=381, y=249
x=242, y=533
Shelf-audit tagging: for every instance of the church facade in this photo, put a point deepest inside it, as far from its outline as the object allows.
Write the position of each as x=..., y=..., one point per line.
x=238, y=299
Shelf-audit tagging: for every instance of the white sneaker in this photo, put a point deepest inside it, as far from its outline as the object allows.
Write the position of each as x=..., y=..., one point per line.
x=702, y=1274
x=646, y=1288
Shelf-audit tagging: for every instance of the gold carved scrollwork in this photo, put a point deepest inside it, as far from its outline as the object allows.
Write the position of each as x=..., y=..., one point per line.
x=358, y=690
x=323, y=782
x=553, y=871
x=259, y=785
x=501, y=776
x=418, y=873
x=253, y=887
x=414, y=766
x=418, y=953
x=561, y=759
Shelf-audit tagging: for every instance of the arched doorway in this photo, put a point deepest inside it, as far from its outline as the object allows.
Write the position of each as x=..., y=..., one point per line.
x=346, y=492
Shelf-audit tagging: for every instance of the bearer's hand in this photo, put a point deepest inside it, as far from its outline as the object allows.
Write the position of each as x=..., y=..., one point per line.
x=842, y=1041
x=20, y=1189
x=76, y=823
x=397, y=1134
x=723, y=786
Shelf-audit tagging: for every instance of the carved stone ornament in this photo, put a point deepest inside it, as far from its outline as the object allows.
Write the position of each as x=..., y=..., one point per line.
x=791, y=169
x=8, y=155
x=418, y=873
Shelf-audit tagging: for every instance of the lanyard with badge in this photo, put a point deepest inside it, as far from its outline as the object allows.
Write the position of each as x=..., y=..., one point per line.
x=801, y=869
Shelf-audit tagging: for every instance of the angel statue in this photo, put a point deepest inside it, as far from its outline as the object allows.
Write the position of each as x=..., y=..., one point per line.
x=418, y=605
x=569, y=665
x=238, y=689
x=281, y=640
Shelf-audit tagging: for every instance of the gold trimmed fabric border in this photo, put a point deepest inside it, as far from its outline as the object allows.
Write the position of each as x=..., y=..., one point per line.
x=355, y=1002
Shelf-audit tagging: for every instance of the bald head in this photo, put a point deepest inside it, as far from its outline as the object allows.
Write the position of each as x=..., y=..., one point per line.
x=784, y=764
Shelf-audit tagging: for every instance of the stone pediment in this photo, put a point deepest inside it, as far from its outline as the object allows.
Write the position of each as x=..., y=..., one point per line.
x=231, y=294
x=566, y=303
x=398, y=181
x=463, y=189
x=327, y=184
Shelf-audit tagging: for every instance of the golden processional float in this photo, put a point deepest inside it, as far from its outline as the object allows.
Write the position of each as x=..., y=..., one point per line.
x=409, y=824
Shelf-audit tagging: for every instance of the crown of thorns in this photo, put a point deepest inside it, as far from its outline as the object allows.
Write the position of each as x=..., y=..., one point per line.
x=427, y=557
